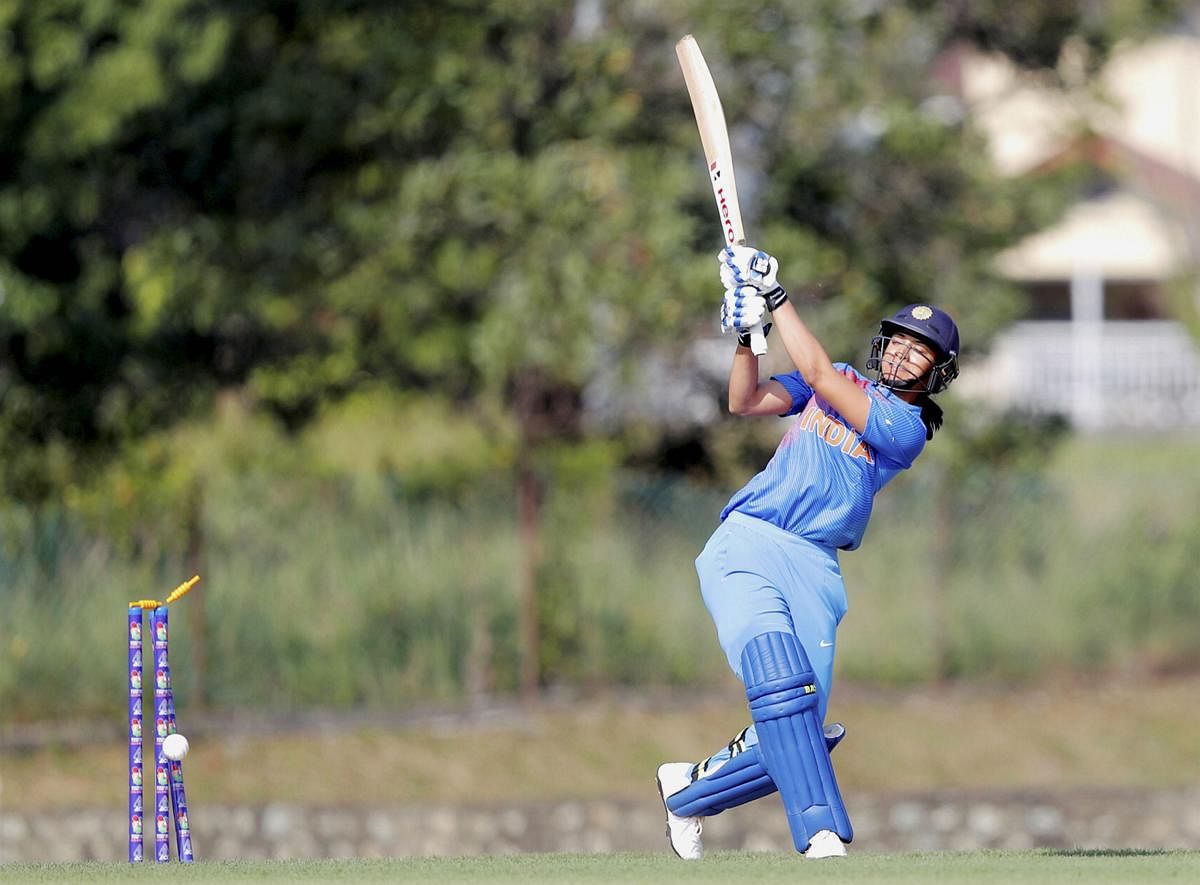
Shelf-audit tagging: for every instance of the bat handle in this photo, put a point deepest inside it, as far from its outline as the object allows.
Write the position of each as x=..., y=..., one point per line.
x=758, y=341
x=758, y=338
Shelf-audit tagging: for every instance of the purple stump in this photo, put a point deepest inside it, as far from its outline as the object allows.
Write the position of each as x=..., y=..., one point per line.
x=137, y=813
x=162, y=780
x=165, y=707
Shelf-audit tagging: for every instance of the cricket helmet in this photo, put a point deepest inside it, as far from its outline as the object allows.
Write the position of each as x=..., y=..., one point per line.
x=931, y=325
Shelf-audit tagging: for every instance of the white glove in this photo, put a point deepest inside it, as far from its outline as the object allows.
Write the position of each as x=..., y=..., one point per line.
x=745, y=265
x=742, y=309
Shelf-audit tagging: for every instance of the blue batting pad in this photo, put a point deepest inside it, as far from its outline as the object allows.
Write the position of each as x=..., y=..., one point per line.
x=782, y=693
x=740, y=780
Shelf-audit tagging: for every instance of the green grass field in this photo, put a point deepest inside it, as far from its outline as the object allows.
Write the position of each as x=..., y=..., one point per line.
x=984, y=866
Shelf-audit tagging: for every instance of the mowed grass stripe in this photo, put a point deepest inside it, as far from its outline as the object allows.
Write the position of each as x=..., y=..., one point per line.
x=984, y=866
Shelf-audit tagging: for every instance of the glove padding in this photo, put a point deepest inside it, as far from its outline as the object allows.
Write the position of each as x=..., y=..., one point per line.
x=742, y=310
x=747, y=266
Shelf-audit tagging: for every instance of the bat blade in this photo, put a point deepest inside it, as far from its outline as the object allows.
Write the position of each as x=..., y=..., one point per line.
x=714, y=138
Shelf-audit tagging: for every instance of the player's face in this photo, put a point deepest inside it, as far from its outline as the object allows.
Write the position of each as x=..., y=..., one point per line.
x=906, y=359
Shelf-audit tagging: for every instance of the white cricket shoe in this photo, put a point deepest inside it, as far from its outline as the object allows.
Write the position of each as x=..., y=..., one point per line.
x=826, y=843
x=682, y=832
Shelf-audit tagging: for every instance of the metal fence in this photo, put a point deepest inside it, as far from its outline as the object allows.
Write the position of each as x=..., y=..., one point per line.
x=1099, y=375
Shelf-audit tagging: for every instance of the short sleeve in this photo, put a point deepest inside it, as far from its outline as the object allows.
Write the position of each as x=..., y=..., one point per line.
x=797, y=388
x=894, y=430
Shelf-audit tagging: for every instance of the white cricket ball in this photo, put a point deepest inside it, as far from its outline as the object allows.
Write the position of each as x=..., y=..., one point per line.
x=175, y=747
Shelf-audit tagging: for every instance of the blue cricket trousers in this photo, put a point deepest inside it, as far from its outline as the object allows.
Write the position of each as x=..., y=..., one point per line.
x=756, y=578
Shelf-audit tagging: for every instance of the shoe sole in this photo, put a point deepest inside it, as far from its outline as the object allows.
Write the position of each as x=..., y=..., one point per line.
x=663, y=796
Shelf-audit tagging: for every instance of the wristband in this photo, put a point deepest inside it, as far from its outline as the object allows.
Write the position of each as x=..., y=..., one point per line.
x=775, y=298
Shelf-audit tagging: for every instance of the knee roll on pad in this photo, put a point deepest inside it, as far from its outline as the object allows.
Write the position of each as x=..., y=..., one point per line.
x=740, y=780
x=782, y=694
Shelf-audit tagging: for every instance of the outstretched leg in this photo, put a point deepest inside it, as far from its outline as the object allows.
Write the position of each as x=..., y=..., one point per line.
x=731, y=777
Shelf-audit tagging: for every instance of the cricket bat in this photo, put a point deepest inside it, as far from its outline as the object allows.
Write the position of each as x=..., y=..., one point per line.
x=710, y=120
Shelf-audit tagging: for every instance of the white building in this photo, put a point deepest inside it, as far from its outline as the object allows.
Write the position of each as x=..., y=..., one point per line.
x=1100, y=346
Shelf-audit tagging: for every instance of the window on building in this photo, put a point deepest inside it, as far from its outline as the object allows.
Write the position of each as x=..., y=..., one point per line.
x=1049, y=300
x=1123, y=300
x=1134, y=300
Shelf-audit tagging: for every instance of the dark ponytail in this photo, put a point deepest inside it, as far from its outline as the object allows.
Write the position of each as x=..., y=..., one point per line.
x=931, y=416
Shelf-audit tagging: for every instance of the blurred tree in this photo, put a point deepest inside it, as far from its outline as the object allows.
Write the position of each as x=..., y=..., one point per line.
x=1034, y=34
x=300, y=199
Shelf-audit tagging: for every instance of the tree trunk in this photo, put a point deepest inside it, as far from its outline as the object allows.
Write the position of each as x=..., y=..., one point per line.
x=478, y=673
x=942, y=550
x=197, y=622
x=545, y=410
x=527, y=514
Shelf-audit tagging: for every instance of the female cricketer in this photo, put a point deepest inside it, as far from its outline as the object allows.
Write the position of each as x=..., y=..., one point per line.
x=769, y=574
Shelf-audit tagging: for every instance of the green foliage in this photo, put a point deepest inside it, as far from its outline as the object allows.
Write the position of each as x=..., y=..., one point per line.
x=1183, y=296
x=300, y=200
x=278, y=275
x=401, y=445
x=1071, y=557
x=319, y=591
x=1034, y=34
x=317, y=604
x=879, y=190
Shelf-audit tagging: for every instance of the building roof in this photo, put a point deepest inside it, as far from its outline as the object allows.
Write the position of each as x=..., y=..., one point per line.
x=1156, y=88
x=1117, y=236
x=1142, y=130
x=1149, y=100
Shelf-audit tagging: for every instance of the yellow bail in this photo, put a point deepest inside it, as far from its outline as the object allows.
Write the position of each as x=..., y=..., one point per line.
x=176, y=594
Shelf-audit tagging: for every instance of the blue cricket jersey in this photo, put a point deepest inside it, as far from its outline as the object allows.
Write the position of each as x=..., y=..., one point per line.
x=821, y=482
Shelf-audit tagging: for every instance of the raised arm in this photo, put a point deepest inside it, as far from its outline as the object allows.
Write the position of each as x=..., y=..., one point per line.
x=847, y=398
x=749, y=396
x=741, y=310
x=751, y=289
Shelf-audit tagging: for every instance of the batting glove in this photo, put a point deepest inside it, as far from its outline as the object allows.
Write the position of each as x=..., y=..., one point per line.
x=742, y=309
x=745, y=265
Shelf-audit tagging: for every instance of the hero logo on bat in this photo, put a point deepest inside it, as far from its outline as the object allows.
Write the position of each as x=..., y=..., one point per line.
x=722, y=203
